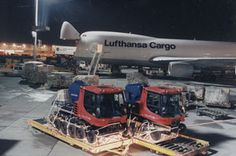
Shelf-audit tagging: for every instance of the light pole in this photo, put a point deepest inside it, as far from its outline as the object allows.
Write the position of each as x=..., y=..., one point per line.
x=37, y=28
x=36, y=12
x=34, y=33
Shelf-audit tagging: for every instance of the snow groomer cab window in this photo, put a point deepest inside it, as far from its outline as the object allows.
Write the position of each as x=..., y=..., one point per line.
x=90, y=102
x=153, y=102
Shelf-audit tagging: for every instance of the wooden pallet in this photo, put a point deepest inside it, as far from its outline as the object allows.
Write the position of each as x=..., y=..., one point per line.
x=119, y=146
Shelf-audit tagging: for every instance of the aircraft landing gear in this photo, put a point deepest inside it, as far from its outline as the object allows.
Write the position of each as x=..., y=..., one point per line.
x=115, y=70
x=205, y=77
x=141, y=70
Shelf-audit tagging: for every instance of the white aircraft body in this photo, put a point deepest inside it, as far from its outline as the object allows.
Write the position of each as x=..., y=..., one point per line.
x=181, y=57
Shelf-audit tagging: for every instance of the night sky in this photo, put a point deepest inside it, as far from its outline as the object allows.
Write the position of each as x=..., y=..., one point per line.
x=183, y=19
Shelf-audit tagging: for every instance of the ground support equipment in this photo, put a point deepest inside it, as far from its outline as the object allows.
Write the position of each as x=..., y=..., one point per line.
x=215, y=114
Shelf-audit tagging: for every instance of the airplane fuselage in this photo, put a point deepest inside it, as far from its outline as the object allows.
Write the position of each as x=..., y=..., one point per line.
x=132, y=49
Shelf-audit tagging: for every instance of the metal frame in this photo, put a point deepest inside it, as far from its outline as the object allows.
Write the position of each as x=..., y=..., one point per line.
x=158, y=148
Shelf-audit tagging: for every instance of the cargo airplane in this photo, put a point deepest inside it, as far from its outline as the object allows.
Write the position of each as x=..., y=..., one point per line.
x=180, y=58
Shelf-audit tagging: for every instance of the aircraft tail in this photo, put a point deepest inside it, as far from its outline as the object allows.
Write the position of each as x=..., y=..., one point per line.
x=68, y=32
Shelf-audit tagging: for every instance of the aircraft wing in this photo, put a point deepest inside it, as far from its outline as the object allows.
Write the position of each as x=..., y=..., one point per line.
x=198, y=61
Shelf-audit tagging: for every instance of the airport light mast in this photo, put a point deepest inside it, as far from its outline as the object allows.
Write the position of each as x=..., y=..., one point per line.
x=34, y=33
x=37, y=28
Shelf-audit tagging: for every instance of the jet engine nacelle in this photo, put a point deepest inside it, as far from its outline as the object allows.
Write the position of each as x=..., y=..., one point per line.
x=180, y=69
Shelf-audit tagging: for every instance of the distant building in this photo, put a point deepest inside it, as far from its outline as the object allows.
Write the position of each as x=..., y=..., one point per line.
x=64, y=50
x=42, y=50
x=24, y=49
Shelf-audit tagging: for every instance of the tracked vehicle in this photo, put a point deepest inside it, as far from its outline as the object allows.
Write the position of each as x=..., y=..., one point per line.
x=160, y=105
x=155, y=111
x=156, y=120
x=89, y=111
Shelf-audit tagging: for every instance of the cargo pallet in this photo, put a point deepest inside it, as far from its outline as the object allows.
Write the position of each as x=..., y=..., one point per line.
x=215, y=114
x=181, y=146
x=119, y=147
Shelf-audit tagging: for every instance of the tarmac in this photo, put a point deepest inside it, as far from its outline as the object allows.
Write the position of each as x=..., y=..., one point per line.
x=19, y=102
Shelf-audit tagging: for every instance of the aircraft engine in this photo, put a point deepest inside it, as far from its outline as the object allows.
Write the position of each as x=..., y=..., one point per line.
x=180, y=69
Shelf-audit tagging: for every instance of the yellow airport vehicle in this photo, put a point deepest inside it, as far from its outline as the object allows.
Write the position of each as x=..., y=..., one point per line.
x=114, y=144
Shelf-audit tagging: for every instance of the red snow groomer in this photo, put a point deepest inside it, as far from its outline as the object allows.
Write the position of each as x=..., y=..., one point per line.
x=89, y=111
x=158, y=105
x=101, y=105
